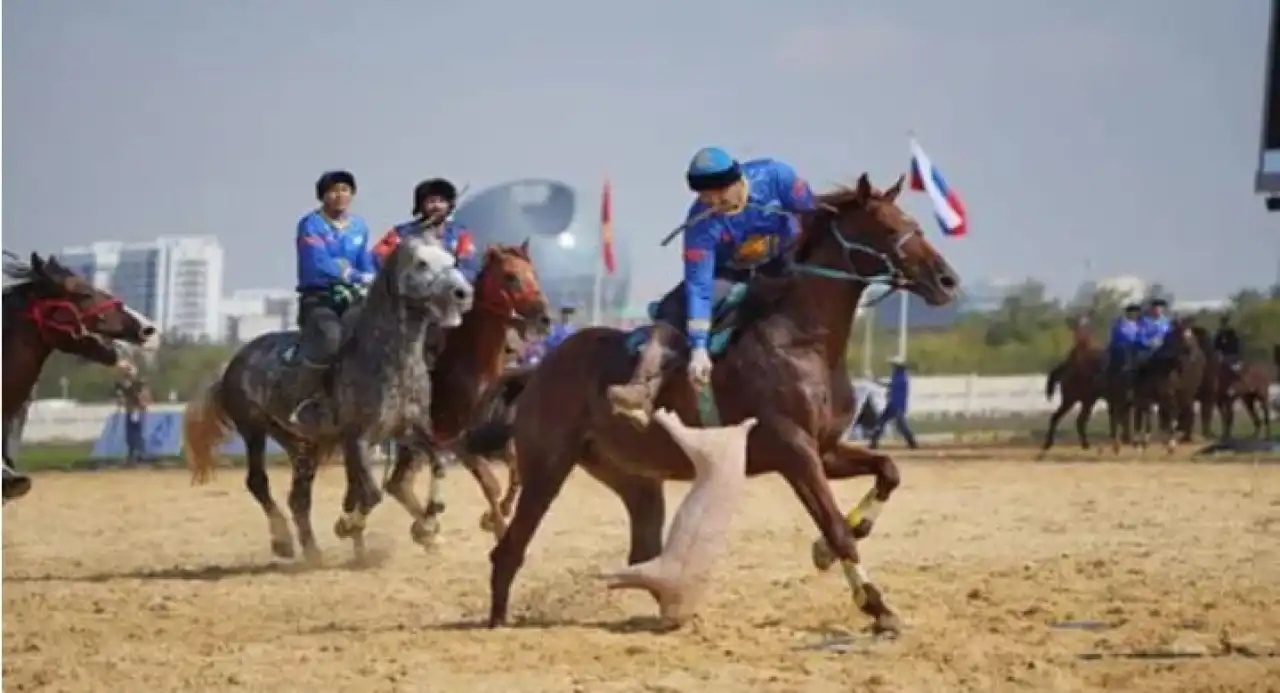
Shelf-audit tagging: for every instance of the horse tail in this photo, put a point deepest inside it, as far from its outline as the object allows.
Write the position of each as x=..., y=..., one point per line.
x=493, y=422
x=1055, y=376
x=205, y=426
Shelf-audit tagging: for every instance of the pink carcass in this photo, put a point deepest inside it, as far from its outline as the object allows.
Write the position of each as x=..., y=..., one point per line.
x=679, y=577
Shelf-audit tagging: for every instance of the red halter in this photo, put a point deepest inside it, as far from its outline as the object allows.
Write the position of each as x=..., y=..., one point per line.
x=506, y=300
x=59, y=315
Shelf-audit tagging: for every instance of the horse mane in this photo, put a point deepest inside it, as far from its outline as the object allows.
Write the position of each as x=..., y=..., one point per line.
x=19, y=272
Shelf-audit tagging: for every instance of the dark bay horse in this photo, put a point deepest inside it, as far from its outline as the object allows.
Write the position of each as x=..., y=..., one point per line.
x=1168, y=383
x=1249, y=383
x=785, y=367
x=1082, y=380
x=380, y=389
x=50, y=308
x=508, y=295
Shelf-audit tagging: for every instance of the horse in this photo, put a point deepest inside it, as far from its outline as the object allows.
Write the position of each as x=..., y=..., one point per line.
x=1249, y=384
x=1207, y=394
x=1168, y=382
x=1082, y=380
x=50, y=308
x=783, y=363
x=508, y=296
x=379, y=389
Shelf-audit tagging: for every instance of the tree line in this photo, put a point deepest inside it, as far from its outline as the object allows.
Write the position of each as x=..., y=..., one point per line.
x=1028, y=333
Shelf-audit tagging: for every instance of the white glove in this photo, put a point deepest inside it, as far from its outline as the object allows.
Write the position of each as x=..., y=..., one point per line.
x=364, y=278
x=700, y=367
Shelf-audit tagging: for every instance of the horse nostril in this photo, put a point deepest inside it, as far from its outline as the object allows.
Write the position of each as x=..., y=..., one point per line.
x=148, y=332
x=544, y=320
x=947, y=282
x=461, y=294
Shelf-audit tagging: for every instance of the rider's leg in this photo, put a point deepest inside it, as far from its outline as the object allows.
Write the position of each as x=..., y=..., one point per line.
x=321, y=337
x=635, y=398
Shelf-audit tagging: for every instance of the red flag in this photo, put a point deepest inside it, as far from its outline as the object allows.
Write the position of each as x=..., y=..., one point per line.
x=606, y=227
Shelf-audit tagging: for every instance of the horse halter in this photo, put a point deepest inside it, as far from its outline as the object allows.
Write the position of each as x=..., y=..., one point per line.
x=47, y=315
x=507, y=300
x=892, y=276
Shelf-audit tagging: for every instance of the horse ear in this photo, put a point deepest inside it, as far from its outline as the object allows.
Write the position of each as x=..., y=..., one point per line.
x=894, y=190
x=524, y=247
x=37, y=263
x=863, y=188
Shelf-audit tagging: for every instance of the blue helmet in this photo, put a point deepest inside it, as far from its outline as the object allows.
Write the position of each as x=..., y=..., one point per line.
x=712, y=168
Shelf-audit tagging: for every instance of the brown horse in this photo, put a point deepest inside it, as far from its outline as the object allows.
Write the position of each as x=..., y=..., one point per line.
x=50, y=308
x=1082, y=380
x=474, y=355
x=1206, y=397
x=785, y=366
x=1249, y=383
x=1168, y=383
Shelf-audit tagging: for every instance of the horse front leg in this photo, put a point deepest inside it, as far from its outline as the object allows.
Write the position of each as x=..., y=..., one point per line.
x=846, y=461
x=802, y=467
x=361, y=498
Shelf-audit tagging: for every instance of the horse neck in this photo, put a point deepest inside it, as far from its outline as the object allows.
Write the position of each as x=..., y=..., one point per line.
x=832, y=304
x=390, y=333
x=478, y=343
x=24, y=357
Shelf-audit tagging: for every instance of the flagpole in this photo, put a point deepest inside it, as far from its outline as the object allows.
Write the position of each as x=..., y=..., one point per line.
x=598, y=284
x=902, y=325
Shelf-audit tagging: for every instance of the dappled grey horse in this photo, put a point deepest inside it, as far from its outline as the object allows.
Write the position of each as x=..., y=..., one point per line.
x=379, y=389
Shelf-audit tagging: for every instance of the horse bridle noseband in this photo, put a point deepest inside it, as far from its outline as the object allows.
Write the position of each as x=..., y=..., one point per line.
x=41, y=311
x=892, y=277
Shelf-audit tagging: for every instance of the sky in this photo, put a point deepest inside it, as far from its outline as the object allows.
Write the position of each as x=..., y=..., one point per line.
x=1086, y=138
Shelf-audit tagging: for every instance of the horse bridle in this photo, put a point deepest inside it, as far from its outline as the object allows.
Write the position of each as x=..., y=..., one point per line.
x=41, y=311
x=507, y=300
x=892, y=277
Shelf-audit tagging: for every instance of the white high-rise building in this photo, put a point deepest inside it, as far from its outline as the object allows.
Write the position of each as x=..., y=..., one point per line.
x=176, y=281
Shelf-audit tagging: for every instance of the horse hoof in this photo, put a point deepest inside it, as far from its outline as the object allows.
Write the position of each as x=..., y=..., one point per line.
x=487, y=521
x=16, y=487
x=887, y=625
x=344, y=529
x=822, y=555
x=425, y=533
x=282, y=548
x=312, y=556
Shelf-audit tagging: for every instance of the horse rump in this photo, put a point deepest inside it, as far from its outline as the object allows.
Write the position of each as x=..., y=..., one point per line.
x=205, y=426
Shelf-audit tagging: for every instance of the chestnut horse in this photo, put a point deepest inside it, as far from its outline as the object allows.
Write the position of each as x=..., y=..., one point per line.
x=50, y=308
x=473, y=356
x=784, y=366
x=1082, y=380
x=1249, y=384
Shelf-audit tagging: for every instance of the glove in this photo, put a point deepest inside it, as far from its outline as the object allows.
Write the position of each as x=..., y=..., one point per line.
x=700, y=367
x=342, y=294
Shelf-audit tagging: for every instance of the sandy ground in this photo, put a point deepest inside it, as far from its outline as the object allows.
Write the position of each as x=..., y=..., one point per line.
x=1011, y=576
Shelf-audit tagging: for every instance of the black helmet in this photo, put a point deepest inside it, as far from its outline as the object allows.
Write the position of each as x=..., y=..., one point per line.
x=434, y=187
x=328, y=179
x=1159, y=303
x=1132, y=308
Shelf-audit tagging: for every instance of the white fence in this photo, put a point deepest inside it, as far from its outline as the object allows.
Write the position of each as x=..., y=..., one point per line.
x=931, y=396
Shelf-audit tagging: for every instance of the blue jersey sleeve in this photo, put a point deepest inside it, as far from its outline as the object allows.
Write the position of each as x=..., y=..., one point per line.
x=793, y=191
x=699, y=277
x=365, y=261
x=316, y=264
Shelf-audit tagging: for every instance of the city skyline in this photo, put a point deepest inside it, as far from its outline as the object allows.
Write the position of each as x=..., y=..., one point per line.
x=1080, y=135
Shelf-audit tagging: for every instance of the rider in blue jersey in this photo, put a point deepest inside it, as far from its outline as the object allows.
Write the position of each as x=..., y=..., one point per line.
x=335, y=265
x=1154, y=326
x=743, y=223
x=561, y=330
x=1125, y=333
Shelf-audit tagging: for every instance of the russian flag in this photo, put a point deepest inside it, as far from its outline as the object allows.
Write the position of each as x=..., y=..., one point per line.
x=947, y=206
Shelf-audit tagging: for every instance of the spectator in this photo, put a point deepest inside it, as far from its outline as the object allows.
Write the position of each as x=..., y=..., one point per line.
x=895, y=409
x=133, y=396
x=868, y=402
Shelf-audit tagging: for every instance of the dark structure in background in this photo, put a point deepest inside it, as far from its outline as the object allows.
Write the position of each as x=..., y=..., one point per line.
x=1268, y=178
x=563, y=228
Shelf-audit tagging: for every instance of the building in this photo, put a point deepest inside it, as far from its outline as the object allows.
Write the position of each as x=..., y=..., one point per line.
x=248, y=313
x=563, y=229
x=176, y=281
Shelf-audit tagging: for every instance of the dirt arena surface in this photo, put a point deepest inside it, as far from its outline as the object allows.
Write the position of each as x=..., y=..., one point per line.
x=1015, y=576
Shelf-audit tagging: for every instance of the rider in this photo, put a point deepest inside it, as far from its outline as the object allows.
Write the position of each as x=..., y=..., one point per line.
x=1153, y=327
x=434, y=201
x=1125, y=338
x=561, y=330
x=334, y=267
x=1227, y=343
x=743, y=223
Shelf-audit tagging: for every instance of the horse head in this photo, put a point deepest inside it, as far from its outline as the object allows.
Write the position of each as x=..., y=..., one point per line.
x=422, y=274
x=861, y=232
x=70, y=314
x=508, y=286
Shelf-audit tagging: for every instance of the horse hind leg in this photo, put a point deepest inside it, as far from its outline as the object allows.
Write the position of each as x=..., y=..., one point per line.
x=259, y=485
x=1082, y=423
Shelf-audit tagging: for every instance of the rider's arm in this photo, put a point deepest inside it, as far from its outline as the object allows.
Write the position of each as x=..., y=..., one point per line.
x=316, y=265
x=699, y=279
x=365, y=262
x=793, y=191
x=468, y=260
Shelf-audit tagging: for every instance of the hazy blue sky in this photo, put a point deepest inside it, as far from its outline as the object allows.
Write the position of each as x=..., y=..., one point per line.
x=1121, y=133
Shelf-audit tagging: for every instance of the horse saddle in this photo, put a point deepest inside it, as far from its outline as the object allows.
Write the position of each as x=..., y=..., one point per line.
x=725, y=317
x=291, y=354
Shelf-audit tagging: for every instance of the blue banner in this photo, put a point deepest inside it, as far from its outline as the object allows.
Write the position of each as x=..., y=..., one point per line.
x=162, y=437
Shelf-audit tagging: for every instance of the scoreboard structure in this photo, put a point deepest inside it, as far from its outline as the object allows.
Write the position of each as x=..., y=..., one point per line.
x=1267, y=181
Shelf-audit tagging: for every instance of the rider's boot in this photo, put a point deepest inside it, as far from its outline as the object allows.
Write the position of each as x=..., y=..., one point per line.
x=16, y=484
x=634, y=399
x=310, y=412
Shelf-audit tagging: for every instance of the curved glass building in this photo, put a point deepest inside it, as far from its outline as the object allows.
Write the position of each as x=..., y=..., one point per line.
x=563, y=228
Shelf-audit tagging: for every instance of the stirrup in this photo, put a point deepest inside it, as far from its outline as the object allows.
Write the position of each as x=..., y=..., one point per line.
x=295, y=416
